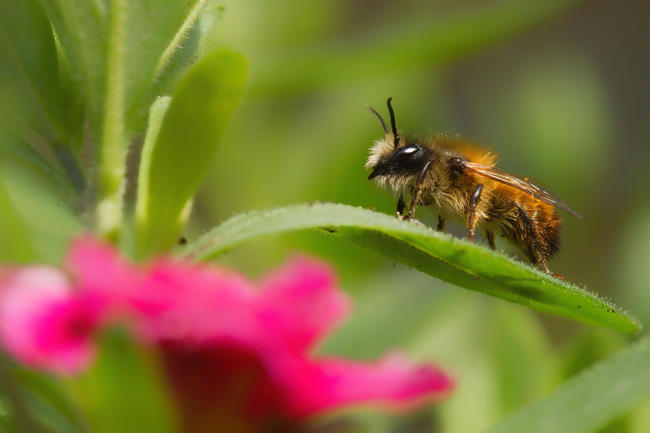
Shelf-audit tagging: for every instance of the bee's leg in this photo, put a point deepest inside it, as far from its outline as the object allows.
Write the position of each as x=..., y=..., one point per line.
x=417, y=190
x=400, y=205
x=441, y=223
x=489, y=234
x=471, y=217
x=532, y=240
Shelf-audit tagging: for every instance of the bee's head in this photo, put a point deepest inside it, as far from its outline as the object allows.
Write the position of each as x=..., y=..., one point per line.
x=394, y=155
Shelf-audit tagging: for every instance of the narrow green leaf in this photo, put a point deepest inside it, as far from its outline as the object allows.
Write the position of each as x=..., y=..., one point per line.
x=591, y=399
x=30, y=79
x=438, y=254
x=174, y=47
x=30, y=190
x=39, y=105
x=48, y=401
x=183, y=149
x=156, y=115
x=14, y=414
x=123, y=392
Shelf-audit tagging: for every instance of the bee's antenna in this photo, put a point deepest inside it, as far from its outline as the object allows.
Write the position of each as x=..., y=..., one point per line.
x=383, y=124
x=392, y=122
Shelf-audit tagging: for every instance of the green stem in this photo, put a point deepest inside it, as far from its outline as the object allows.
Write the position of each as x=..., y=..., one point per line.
x=112, y=156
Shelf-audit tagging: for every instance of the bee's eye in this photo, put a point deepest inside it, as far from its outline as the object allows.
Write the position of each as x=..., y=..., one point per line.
x=407, y=152
x=405, y=160
x=409, y=149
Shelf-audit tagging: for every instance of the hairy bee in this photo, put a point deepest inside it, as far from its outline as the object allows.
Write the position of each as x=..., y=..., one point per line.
x=460, y=178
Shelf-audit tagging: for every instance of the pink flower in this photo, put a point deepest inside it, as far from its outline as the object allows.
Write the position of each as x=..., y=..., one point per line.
x=236, y=354
x=43, y=322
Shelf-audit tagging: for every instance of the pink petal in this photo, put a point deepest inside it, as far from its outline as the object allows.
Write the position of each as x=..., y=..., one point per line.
x=180, y=301
x=99, y=270
x=42, y=322
x=301, y=302
x=392, y=382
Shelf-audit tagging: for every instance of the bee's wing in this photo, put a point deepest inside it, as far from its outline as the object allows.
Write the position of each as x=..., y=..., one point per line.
x=521, y=184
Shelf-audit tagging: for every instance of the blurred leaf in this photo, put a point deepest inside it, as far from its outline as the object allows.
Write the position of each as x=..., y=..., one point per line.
x=521, y=356
x=30, y=76
x=640, y=418
x=588, y=348
x=591, y=399
x=122, y=392
x=438, y=254
x=15, y=245
x=47, y=402
x=14, y=151
x=631, y=256
x=31, y=188
x=14, y=415
x=389, y=310
x=499, y=353
x=175, y=161
x=406, y=46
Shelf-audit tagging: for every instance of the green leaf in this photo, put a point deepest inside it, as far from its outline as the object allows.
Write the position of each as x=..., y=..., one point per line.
x=15, y=245
x=108, y=40
x=123, y=390
x=512, y=349
x=31, y=189
x=14, y=414
x=175, y=162
x=591, y=399
x=47, y=401
x=183, y=46
x=438, y=254
x=30, y=77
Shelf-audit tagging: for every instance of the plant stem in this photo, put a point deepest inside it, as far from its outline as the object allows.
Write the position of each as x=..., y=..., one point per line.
x=112, y=155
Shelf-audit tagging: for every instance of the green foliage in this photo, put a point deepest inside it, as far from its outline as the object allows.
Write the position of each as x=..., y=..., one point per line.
x=135, y=34
x=31, y=401
x=591, y=399
x=406, y=46
x=438, y=254
x=176, y=158
x=29, y=189
x=30, y=76
x=123, y=391
x=13, y=232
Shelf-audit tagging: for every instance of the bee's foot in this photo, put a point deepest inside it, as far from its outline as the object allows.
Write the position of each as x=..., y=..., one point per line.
x=559, y=277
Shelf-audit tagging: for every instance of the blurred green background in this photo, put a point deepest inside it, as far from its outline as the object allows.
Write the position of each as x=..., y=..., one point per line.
x=558, y=88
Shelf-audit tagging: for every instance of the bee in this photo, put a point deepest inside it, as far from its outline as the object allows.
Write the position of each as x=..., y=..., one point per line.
x=460, y=178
